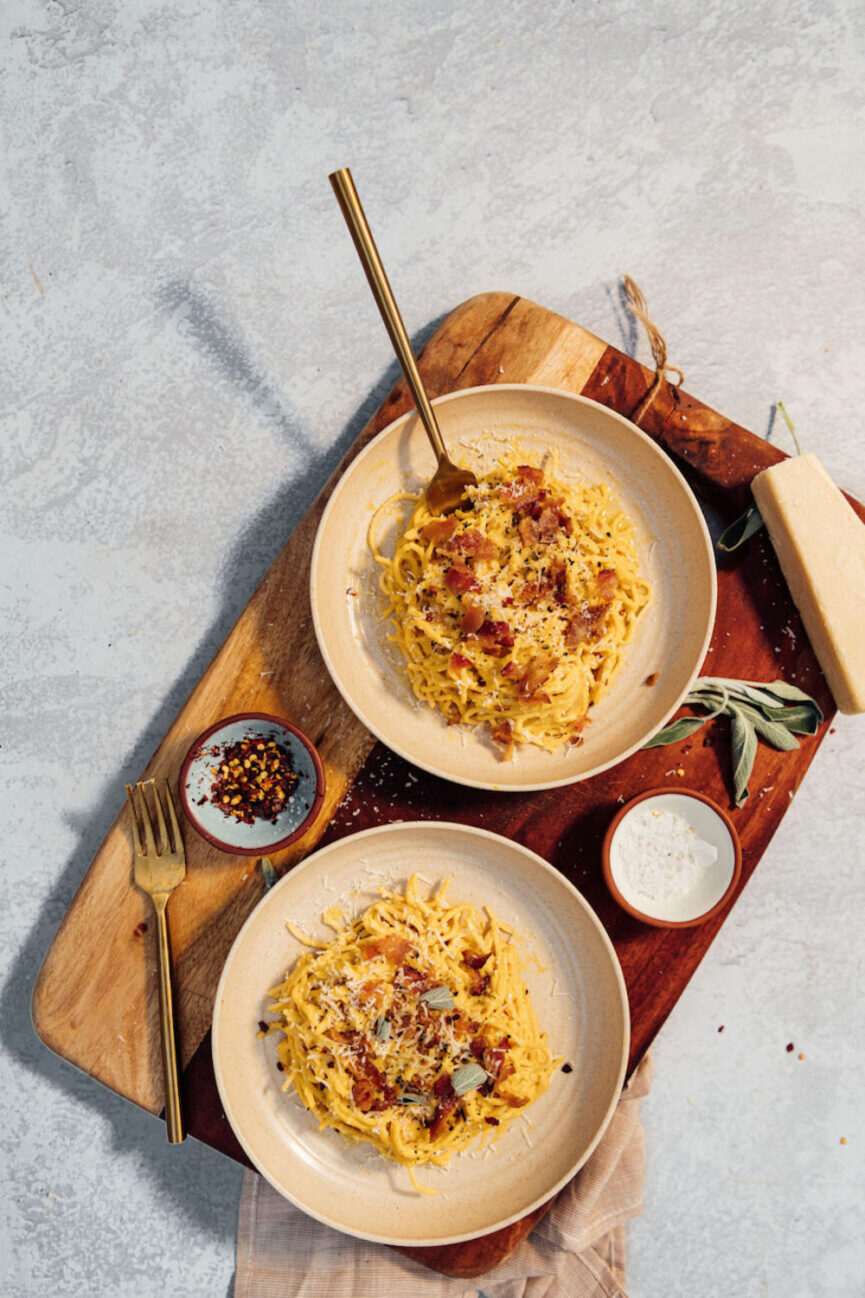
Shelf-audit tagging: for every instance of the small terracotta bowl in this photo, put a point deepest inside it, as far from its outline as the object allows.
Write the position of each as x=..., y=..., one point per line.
x=262, y=836
x=718, y=881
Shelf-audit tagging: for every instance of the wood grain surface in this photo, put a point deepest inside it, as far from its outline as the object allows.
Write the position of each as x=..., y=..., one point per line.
x=95, y=1001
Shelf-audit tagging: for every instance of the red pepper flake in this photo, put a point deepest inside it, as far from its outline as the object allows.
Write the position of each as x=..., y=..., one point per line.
x=254, y=779
x=790, y=1048
x=721, y=1028
x=140, y=929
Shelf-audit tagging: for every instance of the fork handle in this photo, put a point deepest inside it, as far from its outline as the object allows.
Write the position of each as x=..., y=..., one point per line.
x=355, y=218
x=173, y=1116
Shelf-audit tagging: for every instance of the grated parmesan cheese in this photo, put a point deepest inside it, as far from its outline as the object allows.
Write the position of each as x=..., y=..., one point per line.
x=662, y=855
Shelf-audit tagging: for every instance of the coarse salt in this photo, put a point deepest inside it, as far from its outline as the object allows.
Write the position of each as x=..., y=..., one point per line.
x=662, y=855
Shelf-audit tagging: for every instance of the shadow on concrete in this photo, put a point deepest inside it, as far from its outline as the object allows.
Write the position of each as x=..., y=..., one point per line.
x=202, y=1184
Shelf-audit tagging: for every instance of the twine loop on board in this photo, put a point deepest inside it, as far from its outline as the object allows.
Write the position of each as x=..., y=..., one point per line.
x=640, y=310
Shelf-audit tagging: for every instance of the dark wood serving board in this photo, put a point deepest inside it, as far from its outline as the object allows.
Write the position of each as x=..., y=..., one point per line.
x=95, y=1001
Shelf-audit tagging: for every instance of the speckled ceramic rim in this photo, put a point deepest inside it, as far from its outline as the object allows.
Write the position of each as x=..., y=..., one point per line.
x=651, y=919
x=261, y=848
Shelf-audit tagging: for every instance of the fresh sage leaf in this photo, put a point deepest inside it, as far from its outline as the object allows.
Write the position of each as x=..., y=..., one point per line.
x=801, y=720
x=438, y=998
x=775, y=711
x=791, y=694
x=749, y=690
x=744, y=752
x=675, y=731
x=411, y=1097
x=714, y=700
x=772, y=731
x=468, y=1078
x=739, y=531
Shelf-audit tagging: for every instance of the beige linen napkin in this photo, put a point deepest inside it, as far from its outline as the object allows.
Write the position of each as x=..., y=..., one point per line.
x=577, y=1251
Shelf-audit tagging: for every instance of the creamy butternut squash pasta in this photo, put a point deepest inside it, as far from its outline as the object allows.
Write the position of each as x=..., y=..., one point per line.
x=515, y=609
x=412, y=1029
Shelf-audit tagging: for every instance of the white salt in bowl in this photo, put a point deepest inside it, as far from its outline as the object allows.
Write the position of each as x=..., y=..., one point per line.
x=640, y=865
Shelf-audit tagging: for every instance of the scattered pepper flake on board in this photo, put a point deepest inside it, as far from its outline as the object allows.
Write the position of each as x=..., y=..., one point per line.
x=843, y=1140
x=800, y=1056
x=790, y=1047
x=721, y=1028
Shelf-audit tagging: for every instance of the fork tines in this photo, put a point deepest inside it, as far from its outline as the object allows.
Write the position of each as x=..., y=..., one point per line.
x=141, y=817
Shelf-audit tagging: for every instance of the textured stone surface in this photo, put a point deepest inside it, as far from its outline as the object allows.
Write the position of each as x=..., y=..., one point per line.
x=188, y=345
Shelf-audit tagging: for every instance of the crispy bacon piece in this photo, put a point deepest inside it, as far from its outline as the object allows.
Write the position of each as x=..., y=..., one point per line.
x=344, y=1038
x=479, y=984
x=513, y=1101
x=442, y=1086
x=439, y=529
x=459, y=579
x=491, y=1122
x=538, y=669
x=363, y=1094
x=520, y=496
x=414, y=980
x=474, y=960
x=473, y=544
x=462, y=1026
x=607, y=581
x=375, y=992
x=392, y=947
x=583, y=625
x=529, y=474
x=443, y=1111
x=528, y=593
x=556, y=581
x=492, y=1059
x=525, y=489
x=548, y=524
x=503, y=733
x=495, y=637
x=458, y=661
x=473, y=618
x=528, y=530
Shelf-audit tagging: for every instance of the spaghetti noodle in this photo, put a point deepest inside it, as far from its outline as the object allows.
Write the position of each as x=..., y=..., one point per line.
x=412, y=1029
x=515, y=609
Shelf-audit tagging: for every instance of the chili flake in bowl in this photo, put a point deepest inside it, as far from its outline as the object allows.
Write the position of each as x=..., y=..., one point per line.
x=252, y=783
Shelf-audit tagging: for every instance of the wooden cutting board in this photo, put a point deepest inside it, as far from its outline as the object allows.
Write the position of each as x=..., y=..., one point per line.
x=95, y=999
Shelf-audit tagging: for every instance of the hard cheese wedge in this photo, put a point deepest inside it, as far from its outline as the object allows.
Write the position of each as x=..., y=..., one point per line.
x=820, y=544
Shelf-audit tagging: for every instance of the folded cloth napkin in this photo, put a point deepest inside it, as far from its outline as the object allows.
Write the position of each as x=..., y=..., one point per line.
x=577, y=1251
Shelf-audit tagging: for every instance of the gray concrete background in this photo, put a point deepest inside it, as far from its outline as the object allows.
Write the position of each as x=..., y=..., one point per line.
x=188, y=345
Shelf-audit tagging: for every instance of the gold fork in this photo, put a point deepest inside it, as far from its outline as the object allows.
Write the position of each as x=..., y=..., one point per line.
x=447, y=488
x=158, y=871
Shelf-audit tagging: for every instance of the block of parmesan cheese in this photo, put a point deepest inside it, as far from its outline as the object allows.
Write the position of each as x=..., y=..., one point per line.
x=820, y=544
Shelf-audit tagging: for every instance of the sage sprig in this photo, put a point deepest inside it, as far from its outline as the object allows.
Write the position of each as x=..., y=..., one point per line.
x=740, y=530
x=776, y=712
x=751, y=521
